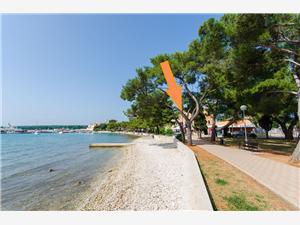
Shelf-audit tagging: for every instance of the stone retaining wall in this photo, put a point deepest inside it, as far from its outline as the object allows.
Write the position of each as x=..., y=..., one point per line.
x=198, y=197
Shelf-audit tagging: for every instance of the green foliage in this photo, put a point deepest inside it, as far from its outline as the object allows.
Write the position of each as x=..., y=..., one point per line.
x=168, y=132
x=136, y=124
x=221, y=182
x=112, y=125
x=179, y=137
x=100, y=127
x=200, y=123
x=239, y=202
x=149, y=105
x=241, y=59
x=255, y=69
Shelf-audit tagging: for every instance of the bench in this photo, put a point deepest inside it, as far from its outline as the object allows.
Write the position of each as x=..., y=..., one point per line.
x=251, y=146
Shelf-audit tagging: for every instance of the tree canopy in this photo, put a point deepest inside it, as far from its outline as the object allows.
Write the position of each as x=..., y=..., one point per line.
x=241, y=59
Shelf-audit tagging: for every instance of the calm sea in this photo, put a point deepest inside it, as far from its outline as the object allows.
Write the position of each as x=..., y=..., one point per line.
x=28, y=184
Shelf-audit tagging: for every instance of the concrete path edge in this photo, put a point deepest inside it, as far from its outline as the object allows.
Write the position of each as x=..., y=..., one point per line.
x=199, y=197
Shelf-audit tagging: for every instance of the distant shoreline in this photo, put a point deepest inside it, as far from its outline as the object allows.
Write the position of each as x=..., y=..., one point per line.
x=137, y=134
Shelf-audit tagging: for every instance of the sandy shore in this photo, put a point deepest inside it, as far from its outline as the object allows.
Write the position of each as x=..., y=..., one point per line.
x=151, y=175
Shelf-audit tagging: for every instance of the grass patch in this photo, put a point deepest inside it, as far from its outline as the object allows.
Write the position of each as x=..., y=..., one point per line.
x=259, y=196
x=221, y=182
x=239, y=202
x=231, y=189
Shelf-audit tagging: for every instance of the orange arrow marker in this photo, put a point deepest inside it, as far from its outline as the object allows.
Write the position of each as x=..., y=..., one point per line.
x=174, y=90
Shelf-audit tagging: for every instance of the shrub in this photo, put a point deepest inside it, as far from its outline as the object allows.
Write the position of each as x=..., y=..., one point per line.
x=178, y=137
x=168, y=132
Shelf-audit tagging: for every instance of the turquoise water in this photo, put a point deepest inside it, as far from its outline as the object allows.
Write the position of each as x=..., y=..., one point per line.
x=28, y=184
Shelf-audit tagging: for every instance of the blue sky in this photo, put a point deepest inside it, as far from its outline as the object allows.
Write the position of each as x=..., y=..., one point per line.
x=69, y=69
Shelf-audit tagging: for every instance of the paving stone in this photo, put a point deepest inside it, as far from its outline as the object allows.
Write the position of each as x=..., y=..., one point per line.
x=281, y=178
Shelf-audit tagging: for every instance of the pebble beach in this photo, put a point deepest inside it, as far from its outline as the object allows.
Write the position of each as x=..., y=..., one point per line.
x=153, y=174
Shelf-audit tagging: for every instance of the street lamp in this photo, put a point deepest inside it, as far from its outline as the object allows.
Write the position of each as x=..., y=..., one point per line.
x=243, y=108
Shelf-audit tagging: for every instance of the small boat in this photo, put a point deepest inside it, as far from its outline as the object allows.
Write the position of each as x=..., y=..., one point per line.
x=60, y=132
x=36, y=132
x=10, y=130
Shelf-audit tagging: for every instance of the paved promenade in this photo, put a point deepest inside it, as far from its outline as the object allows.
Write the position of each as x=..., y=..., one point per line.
x=282, y=179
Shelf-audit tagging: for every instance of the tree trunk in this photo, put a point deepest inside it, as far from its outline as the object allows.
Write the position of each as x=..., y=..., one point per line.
x=267, y=134
x=290, y=129
x=157, y=129
x=213, y=129
x=190, y=120
x=288, y=133
x=189, y=133
x=296, y=153
x=225, y=129
x=181, y=130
